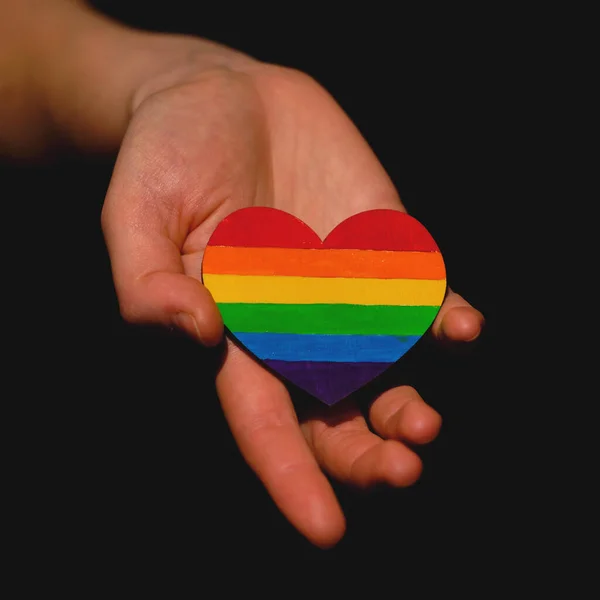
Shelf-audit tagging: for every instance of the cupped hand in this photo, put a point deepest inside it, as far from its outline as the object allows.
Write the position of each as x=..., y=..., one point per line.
x=211, y=142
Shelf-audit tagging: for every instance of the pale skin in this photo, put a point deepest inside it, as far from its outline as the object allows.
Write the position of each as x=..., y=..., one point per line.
x=202, y=130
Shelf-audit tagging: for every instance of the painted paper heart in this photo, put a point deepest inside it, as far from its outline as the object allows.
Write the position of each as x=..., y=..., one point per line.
x=330, y=315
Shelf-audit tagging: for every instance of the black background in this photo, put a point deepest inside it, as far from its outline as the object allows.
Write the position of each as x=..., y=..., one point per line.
x=137, y=462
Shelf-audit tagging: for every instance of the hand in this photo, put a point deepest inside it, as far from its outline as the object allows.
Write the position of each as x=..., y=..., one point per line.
x=201, y=144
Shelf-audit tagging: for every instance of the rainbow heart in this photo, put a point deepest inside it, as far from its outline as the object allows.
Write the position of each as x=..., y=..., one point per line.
x=330, y=315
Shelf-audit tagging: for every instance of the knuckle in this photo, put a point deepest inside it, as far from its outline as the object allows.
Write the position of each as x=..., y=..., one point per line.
x=264, y=424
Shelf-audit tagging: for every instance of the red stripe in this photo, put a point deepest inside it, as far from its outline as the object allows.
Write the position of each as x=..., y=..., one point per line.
x=382, y=230
x=262, y=227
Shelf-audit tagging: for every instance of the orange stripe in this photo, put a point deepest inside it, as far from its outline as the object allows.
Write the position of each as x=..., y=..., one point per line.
x=378, y=264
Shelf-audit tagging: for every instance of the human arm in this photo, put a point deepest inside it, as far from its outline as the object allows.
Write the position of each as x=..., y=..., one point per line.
x=202, y=130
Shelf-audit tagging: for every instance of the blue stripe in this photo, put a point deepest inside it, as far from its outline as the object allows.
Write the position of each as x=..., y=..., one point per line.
x=330, y=348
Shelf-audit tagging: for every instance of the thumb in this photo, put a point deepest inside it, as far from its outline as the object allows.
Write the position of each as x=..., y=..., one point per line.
x=171, y=299
x=148, y=271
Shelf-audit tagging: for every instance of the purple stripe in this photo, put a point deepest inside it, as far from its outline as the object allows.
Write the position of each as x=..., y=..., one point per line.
x=330, y=382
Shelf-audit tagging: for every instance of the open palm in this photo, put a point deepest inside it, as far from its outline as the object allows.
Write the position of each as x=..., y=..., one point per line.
x=214, y=142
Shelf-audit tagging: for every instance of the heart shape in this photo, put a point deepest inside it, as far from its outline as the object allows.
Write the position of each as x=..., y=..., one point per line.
x=329, y=315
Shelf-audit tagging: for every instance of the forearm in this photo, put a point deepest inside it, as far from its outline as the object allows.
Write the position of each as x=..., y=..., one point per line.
x=71, y=77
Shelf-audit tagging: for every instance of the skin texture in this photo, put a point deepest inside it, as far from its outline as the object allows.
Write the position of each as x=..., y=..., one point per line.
x=201, y=131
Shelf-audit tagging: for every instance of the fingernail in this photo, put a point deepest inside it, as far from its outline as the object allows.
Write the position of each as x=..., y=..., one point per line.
x=188, y=324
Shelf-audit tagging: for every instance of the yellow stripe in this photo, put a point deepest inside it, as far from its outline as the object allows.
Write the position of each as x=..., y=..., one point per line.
x=320, y=290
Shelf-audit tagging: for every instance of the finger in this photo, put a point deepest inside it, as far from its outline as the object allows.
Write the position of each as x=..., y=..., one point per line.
x=171, y=299
x=262, y=419
x=401, y=413
x=142, y=240
x=350, y=452
x=457, y=320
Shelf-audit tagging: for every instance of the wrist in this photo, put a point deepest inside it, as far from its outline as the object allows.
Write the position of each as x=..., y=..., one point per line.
x=179, y=60
x=88, y=73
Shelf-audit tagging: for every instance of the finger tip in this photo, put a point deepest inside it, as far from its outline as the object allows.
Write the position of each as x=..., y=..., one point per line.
x=327, y=526
x=213, y=336
x=423, y=428
x=208, y=316
x=417, y=423
x=209, y=327
x=328, y=539
x=403, y=467
x=462, y=323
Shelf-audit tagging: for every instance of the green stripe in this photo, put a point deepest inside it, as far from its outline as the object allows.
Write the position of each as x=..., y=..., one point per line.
x=328, y=318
